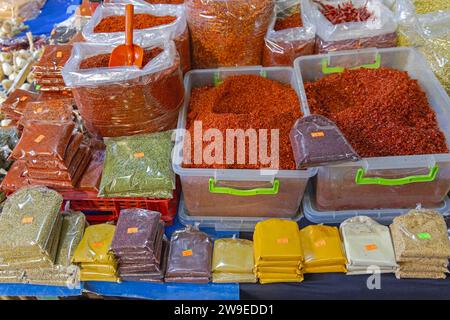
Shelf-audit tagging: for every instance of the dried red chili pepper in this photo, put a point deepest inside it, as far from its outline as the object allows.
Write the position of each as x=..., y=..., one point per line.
x=381, y=112
x=344, y=12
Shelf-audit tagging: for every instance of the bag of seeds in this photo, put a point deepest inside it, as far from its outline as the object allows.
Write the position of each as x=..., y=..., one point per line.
x=228, y=33
x=291, y=34
x=369, y=24
x=123, y=101
x=138, y=166
x=151, y=22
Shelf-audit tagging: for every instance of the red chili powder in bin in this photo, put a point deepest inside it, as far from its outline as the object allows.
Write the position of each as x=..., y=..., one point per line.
x=165, y=1
x=140, y=21
x=292, y=21
x=244, y=102
x=381, y=112
x=102, y=60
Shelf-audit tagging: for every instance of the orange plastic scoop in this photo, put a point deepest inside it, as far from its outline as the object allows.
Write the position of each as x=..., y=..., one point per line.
x=127, y=54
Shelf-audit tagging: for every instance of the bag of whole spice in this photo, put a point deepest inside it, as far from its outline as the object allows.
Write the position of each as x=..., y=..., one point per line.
x=123, y=101
x=291, y=34
x=352, y=24
x=151, y=22
x=228, y=32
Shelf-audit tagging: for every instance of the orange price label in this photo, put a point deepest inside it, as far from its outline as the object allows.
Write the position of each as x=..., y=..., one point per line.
x=132, y=230
x=320, y=243
x=59, y=54
x=39, y=139
x=39, y=110
x=139, y=155
x=27, y=220
x=371, y=247
x=23, y=98
x=318, y=134
x=187, y=253
x=283, y=241
x=97, y=244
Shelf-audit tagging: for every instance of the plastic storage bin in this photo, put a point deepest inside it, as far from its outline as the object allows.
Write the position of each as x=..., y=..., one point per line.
x=242, y=224
x=384, y=216
x=235, y=192
x=385, y=182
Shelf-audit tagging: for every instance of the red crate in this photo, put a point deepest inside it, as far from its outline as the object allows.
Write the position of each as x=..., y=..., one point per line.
x=108, y=209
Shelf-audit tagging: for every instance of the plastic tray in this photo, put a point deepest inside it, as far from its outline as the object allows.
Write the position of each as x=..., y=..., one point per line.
x=218, y=193
x=241, y=224
x=384, y=182
x=384, y=216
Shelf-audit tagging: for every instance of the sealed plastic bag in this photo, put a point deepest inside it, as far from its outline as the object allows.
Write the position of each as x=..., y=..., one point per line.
x=138, y=166
x=15, y=103
x=138, y=100
x=20, y=9
x=378, y=31
x=228, y=33
x=317, y=141
x=151, y=23
x=59, y=110
x=283, y=44
x=95, y=244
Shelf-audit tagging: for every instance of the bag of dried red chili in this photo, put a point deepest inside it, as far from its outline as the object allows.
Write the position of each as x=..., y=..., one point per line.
x=352, y=24
x=291, y=34
x=151, y=23
x=124, y=101
x=228, y=32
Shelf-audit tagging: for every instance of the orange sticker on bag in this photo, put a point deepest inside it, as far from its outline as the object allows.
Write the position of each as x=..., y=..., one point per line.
x=97, y=244
x=27, y=220
x=139, y=155
x=318, y=134
x=132, y=230
x=283, y=241
x=39, y=110
x=371, y=247
x=187, y=253
x=23, y=98
x=59, y=54
x=320, y=243
x=39, y=139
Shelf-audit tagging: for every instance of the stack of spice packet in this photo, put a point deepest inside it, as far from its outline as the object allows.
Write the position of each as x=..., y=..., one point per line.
x=422, y=247
x=368, y=245
x=140, y=245
x=278, y=251
x=233, y=261
x=323, y=249
x=30, y=229
x=96, y=261
x=190, y=256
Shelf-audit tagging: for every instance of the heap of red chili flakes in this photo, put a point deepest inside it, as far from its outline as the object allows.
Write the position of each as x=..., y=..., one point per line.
x=102, y=60
x=243, y=102
x=289, y=22
x=140, y=21
x=345, y=12
x=381, y=112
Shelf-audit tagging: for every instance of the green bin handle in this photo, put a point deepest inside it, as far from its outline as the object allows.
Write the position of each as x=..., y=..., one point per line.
x=326, y=69
x=238, y=192
x=431, y=176
x=217, y=81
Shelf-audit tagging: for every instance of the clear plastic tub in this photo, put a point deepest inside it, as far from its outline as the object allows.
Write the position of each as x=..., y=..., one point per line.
x=384, y=216
x=385, y=182
x=235, y=192
x=242, y=224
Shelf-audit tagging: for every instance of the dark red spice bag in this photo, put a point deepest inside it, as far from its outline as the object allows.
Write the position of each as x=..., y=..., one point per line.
x=317, y=141
x=291, y=34
x=151, y=23
x=352, y=24
x=125, y=101
x=228, y=32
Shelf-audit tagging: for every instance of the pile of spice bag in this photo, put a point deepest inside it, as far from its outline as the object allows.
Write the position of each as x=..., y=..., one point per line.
x=36, y=241
x=140, y=245
x=93, y=254
x=190, y=256
x=421, y=243
x=278, y=251
x=8, y=140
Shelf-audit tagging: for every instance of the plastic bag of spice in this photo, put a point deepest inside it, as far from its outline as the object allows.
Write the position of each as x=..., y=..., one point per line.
x=138, y=100
x=317, y=141
x=291, y=34
x=379, y=30
x=60, y=110
x=151, y=23
x=15, y=103
x=228, y=32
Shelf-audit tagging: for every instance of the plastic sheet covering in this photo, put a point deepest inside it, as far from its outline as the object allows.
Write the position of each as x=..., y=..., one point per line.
x=20, y=9
x=154, y=93
x=228, y=32
x=138, y=166
x=58, y=110
x=90, y=180
x=176, y=30
x=190, y=256
x=367, y=243
x=317, y=141
x=233, y=261
x=379, y=31
x=8, y=140
x=282, y=47
x=322, y=248
x=15, y=103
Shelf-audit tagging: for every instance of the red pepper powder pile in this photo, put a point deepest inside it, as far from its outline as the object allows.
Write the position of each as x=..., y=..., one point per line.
x=102, y=60
x=243, y=102
x=165, y=1
x=140, y=21
x=292, y=21
x=345, y=12
x=382, y=112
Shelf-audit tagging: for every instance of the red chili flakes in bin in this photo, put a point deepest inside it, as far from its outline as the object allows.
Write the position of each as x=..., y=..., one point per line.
x=102, y=60
x=381, y=112
x=140, y=21
x=289, y=22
